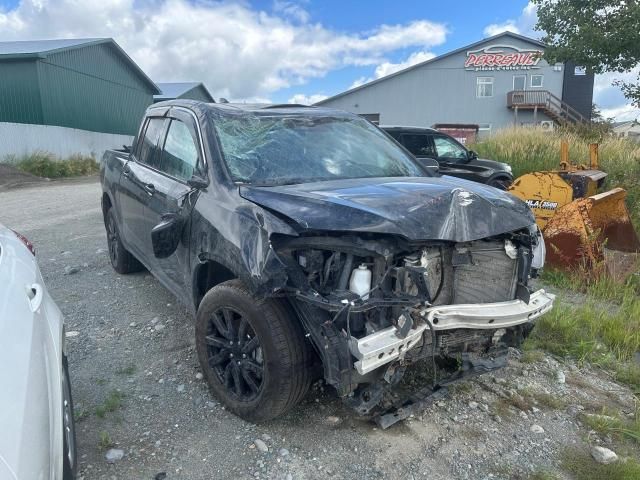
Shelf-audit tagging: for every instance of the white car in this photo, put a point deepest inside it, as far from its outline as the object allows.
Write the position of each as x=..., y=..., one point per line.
x=37, y=436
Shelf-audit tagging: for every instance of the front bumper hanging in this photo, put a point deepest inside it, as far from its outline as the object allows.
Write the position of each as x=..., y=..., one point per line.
x=386, y=345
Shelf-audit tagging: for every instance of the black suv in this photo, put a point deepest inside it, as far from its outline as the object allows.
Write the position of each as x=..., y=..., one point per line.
x=453, y=158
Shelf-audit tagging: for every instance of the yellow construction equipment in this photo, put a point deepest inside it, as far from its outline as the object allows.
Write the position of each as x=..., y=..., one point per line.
x=581, y=227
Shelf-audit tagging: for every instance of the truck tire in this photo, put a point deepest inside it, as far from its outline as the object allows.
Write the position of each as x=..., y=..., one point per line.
x=252, y=351
x=121, y=259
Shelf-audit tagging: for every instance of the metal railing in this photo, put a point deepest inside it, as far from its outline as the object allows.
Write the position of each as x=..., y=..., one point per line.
x=546, y=101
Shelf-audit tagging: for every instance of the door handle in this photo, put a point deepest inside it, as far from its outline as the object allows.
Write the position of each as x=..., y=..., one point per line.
x=126, y=171
x=149, y=188
x=35, y=293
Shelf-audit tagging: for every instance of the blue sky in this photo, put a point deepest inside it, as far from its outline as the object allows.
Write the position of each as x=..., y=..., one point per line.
x=281, y=50
x=465, y=24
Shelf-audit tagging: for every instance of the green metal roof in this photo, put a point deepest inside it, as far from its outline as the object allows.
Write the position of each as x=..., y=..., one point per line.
x=171, y=90
x=42, y=48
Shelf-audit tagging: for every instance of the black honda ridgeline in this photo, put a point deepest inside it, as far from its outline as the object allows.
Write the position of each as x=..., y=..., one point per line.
x=310, y=244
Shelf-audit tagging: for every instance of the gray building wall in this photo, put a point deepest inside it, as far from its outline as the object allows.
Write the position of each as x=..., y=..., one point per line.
x=443, y=91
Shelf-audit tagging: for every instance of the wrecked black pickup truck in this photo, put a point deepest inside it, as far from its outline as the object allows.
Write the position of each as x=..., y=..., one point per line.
x=308, y=243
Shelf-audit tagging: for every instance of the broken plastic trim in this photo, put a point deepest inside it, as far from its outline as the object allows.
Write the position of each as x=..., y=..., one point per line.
x=385, y=346
x=472, y=365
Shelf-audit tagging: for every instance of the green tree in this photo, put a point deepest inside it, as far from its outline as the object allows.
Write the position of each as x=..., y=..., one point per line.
x=602, y=35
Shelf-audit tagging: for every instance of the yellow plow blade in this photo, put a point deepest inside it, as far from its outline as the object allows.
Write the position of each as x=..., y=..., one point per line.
x=580, y=231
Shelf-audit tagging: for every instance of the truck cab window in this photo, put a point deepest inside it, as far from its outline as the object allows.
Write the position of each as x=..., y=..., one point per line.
x=147, y=153
x=180, y=155
x=419, y=145
x=447, y=148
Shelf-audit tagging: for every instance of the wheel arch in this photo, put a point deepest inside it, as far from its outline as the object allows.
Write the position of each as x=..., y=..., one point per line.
x=207, y=275
x=106, y=203
x=500, y=176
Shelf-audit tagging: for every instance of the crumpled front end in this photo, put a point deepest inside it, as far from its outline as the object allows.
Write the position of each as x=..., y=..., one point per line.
x=374, y=304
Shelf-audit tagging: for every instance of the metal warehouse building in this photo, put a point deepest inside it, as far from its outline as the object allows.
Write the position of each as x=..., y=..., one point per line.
x=89, y=85
x=185, y=90
x=494, y=83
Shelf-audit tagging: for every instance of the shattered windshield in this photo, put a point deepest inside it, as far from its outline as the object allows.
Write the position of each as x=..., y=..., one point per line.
x=274, y=149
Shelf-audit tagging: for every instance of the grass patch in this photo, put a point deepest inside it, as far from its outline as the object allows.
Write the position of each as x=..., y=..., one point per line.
x=611, y=423
x=44, y=164
x=532, y=356
x=105, y=440
x=547, y=400
x=461, y=387
x=601, y=288
x=582, y=466
x=532, y=149
x=542, y=475
x=590, y=332
x=80, y=414
x=112, y=403
x=503, y=407
x=128, y=370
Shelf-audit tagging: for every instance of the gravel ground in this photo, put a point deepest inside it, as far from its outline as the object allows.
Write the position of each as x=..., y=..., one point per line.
x=137, y=387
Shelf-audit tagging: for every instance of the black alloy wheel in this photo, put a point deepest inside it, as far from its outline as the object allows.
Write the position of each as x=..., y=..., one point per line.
x=112, y=239
x=252, y=351
x=121, y=259
x=235, y=354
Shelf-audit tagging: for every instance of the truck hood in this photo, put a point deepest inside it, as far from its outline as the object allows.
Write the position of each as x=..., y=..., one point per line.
x=419, y=208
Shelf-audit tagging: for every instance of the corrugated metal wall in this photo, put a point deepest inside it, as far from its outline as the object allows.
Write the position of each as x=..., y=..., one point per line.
x=19, y=92
x=92, y=88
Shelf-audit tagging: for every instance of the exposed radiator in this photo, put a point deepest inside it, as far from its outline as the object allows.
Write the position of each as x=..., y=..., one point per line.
x=489, y=274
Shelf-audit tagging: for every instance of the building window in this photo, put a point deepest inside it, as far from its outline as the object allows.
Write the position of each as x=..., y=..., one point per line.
x=484, y=130
x=372, y=117
x=519, y=82
x=537, y=81
x=484, y=87
x=557, y=67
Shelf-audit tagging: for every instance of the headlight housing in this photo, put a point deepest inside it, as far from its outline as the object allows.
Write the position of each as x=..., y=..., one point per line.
x=539, y=252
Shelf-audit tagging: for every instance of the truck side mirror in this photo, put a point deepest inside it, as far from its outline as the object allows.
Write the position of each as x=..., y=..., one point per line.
x=197, y=182
x=471, y=155
x=430, y=164
x=165, y=236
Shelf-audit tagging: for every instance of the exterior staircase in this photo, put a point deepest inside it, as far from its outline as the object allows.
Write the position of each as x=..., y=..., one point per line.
x=546, y=102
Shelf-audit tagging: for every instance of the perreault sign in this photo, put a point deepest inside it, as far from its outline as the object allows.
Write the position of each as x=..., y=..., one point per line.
x=502, y=57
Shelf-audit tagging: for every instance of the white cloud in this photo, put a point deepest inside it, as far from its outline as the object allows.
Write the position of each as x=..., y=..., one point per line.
x=609, y=97
x=236, y=51
x=303, y=99
x=523, y=24
x=496, y=28
x=360, y=81
x=291, y=9
x=387, y=68
x=622, y=113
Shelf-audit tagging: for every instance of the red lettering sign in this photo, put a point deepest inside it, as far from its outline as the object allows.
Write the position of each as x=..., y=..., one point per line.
x=495, y=57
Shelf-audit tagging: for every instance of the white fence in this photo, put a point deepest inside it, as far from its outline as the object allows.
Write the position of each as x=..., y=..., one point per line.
x=18, y=139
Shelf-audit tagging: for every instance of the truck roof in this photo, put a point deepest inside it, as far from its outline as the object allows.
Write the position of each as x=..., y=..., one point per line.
x=407, y=128
x=283, y=108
